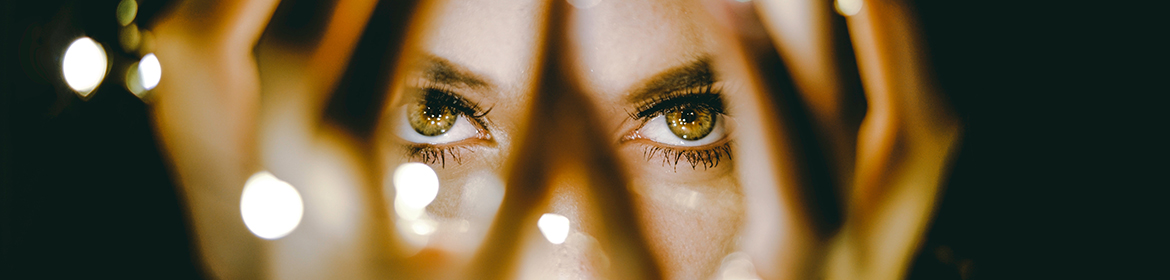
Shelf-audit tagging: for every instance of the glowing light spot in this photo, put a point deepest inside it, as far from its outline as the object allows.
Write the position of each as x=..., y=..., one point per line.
x=84, y=65
x=127, y=10
x=133, y=82
x=415, y=185
x=463, y=226
x=130, y=37
x=554, y=227
x=848, y=7
x=149, y=71
x=423, y=228
x=407, y=212
x=271, y=208
x=738, y=266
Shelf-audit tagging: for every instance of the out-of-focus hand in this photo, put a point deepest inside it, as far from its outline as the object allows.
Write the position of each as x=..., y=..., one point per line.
x=218, y=126
x=205, y=116
x=887, y=161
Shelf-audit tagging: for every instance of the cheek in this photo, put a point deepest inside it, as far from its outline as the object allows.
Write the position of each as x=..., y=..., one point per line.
x=691, y=225
x=456, y=220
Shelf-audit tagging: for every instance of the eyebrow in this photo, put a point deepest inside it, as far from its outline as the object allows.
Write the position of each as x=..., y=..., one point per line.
x=440, y=70
x=697, y=73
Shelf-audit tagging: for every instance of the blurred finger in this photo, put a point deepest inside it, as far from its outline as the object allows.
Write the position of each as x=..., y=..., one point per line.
x=577, y=157
x=904, y=145
x=231, y=23
x=812, y=41
x=204, y=115
x=790, y=206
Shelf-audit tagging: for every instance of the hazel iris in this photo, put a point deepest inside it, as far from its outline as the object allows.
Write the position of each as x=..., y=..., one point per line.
x=690, y=122
x=431, y=118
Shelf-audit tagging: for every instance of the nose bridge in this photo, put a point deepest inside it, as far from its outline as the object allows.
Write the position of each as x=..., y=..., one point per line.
x=569, y=196
x=582, y=185
x=566, y=163
x=567, y=245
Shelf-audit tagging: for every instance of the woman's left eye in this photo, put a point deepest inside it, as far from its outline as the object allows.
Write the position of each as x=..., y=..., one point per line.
x=430, y=122
x=686, y=126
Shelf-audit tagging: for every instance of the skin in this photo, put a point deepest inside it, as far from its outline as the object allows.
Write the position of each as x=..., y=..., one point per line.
x=690, y=215
x=232, y=103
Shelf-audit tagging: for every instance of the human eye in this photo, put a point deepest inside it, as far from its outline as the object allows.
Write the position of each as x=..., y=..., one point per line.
x=437, y=123
x=690, y=126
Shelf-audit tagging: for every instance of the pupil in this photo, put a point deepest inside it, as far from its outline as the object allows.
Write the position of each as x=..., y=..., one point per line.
x=688, y=116
x=690, y=123
x=430, y=119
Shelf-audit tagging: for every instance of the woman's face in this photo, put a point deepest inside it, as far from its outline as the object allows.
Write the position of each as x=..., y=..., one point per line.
x=646, y=67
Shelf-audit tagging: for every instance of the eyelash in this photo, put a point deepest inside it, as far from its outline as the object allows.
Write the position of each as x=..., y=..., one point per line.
x=437, y=154
x=708, y=158
x=432, y=154
x=707, y=97
x=437, y=93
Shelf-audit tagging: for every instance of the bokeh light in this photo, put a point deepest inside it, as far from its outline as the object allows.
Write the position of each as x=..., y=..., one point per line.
x=134, y=82
x=554, y=227
x=149, y=71
x=84, y=65
x=415, y=185
x=127, y=10
x=271, y=208
x=848, y=7
x=738, y=266
x=129, y=37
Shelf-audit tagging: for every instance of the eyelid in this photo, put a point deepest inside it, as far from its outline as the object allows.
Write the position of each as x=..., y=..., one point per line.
x=726, y=125
x=706, y=96
x=445, y=94
x=470, y=116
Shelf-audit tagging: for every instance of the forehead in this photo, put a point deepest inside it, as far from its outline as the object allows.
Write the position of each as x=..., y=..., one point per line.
x=493, y=39
x=619, y=43
x=614, y=44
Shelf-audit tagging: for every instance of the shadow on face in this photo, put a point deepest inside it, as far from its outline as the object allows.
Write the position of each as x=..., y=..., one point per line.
x=646, y=72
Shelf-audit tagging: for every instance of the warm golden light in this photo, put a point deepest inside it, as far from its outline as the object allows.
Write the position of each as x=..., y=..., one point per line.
x=84, y=65
x=271, y=208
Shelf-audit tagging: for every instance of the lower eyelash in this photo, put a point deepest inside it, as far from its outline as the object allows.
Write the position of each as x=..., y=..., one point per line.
x=431, y=154
x=708, y=158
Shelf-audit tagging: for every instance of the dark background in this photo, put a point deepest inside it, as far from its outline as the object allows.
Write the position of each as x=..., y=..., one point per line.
x=1055, y=176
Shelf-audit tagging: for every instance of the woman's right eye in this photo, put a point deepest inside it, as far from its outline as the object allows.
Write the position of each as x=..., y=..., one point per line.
x=685, y=126
x=435, y=119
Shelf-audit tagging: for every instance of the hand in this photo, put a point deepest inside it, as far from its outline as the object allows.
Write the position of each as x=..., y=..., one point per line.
x=887, y=170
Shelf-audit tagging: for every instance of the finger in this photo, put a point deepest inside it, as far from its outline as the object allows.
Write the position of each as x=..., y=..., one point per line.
x=204, y=113
x=578, y=147
x=223, y=23
x=904, y=145
x=812, y=41
x=302, y=53
x=788, y=214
